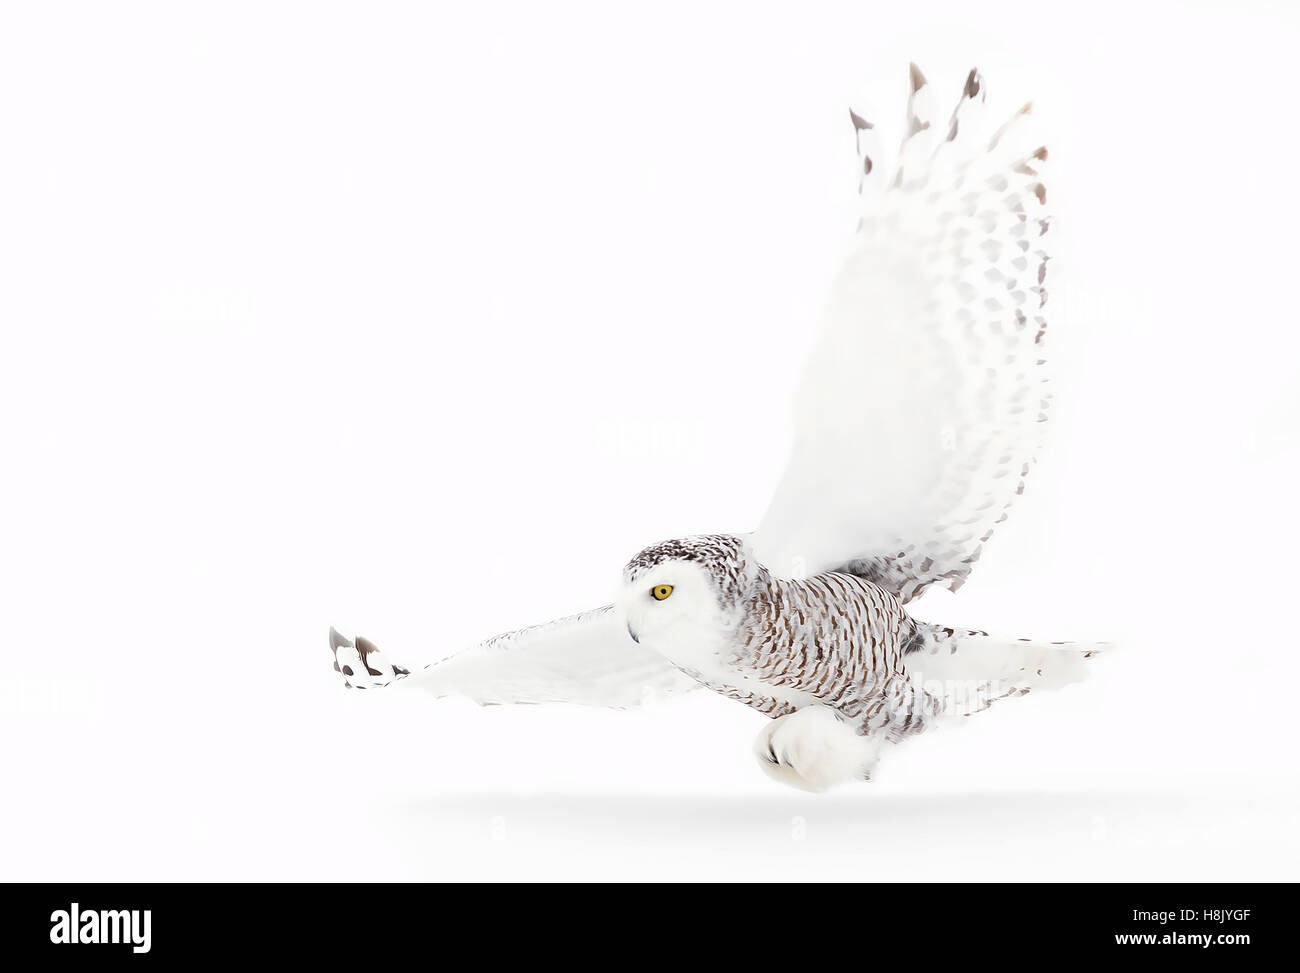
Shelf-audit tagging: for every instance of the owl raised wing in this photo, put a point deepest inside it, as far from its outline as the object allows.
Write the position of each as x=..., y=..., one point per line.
x=922, y=403
x=916, y=422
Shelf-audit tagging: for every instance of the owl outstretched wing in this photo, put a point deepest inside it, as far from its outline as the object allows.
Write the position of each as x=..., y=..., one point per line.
x=588, y=659
x=922, y=404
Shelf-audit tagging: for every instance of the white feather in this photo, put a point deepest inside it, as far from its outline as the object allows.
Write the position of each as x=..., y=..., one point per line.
x=921, y=404
x=588, y=659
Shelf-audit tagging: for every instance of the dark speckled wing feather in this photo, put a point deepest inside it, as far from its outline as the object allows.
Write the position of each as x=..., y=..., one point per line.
x=924, y=397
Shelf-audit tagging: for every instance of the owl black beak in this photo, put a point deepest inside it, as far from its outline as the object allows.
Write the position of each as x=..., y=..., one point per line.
x=632, y=632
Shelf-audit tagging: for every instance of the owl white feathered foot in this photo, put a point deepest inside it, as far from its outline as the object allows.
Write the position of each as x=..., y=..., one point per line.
x=814, y=749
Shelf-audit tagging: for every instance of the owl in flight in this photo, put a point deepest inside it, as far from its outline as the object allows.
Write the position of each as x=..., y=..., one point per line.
x=916, y=425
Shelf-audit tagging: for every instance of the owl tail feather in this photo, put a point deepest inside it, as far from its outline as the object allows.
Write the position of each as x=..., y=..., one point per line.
x=970, y=670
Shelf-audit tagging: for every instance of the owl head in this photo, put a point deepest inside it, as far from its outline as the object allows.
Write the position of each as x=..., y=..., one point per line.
x=688, y=588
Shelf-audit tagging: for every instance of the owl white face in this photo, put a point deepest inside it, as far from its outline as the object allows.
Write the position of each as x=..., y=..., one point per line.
x=672, y=603
x=685, y=598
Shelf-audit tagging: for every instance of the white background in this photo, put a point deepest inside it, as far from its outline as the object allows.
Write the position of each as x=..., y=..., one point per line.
x=421, y=322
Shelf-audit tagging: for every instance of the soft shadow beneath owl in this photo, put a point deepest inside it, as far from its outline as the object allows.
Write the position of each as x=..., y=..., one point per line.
x=846, y=814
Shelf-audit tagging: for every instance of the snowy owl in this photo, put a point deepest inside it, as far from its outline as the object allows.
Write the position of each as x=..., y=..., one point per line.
x=916, y=425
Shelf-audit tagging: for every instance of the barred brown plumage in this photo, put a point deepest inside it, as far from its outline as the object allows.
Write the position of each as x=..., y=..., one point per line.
x=834, y=641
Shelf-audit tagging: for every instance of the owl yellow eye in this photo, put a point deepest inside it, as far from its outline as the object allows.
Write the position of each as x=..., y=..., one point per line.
x=661, y=591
